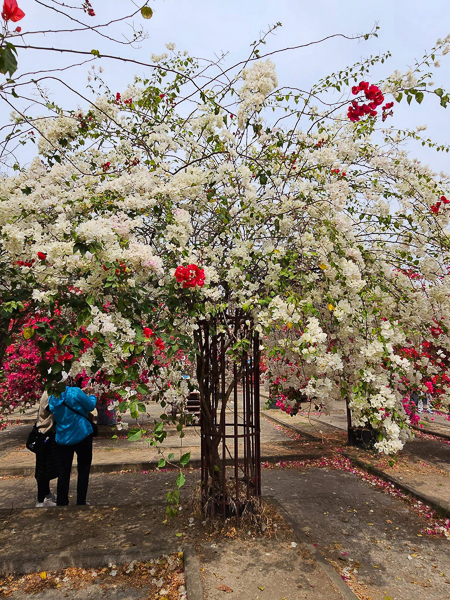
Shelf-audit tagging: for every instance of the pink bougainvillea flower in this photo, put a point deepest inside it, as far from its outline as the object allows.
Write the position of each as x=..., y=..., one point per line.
x=11, y=12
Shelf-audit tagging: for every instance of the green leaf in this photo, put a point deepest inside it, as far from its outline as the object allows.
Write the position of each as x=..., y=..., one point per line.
x=146, y=12
x=134, y=435
x=8, y=62
x=171, y=456
x=185, y=459
x=95, y=53
x=419, y=97
x=143, y=389
x=181, y=479
x=81, y=248
x=161, y=463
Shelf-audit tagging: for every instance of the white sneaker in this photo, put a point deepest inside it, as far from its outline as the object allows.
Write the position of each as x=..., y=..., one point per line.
x=51, y=496
x=39, y=505
x=429, y=410
x=49, y=502
x=420, y=407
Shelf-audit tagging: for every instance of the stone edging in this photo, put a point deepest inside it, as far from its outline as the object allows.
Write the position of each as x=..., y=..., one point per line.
x=194, y=587
x=92, y=559
x=87, y=559
x=445, y=436
x=308, y=436
x=150, y=465
x=440, y=506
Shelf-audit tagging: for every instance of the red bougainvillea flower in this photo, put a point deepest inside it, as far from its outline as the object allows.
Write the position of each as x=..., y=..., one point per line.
x=11, y=12
x=159, y=344
x=148, y=332
x=190, y=276
x=41, y=256
x=372, y=93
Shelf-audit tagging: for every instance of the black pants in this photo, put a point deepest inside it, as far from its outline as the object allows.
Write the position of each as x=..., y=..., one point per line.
x=43, y=486
x=84, y=460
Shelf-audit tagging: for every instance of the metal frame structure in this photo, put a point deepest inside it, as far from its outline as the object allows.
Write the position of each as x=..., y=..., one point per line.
x=230, y=418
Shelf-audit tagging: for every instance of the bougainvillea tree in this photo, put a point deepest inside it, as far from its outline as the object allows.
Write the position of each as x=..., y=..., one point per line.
x=139, y=219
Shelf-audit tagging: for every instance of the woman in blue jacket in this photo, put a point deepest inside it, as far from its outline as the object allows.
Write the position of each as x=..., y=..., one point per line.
x=73, y=434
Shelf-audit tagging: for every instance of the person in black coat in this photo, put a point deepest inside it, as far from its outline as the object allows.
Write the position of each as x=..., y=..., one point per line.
x=48, y=459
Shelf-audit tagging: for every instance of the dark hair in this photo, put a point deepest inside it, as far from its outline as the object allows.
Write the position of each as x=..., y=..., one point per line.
x=76, y=381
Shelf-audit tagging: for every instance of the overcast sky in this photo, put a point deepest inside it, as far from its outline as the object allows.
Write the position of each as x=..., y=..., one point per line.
x=207, y=27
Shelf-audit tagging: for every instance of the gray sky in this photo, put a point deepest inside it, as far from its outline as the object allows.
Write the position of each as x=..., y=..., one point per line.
x=206, y=27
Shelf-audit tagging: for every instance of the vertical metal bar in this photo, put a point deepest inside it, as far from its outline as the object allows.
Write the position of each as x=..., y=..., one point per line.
x=249, y=419
x=224, y=419
x=213, y=431
x=252, y=420
x=236, y=420
x=204, y=470
x=244, y=415
x=256, y=383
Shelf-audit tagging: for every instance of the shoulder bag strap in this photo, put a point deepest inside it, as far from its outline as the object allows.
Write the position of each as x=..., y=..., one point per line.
x=78, y=412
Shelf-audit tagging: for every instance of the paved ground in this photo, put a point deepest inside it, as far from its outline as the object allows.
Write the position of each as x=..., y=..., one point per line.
x=376, y=540
x=424, y=464
x=251, y=570
x=373, y=540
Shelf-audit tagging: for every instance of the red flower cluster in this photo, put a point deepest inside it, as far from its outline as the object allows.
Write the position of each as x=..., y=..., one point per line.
x=105, y=166
x=87, y=343
x=121, y=268
x=435, y=207
x=160, y=344
x=387, y=110
x=148, y=332
x=190, y=276
x=42, y=256
x=87, y=7
x=436, y=331
x=66, y=356
x=53, y=354
x=25, y=263
x=336, y=172
x=11, y=12
x=372, y=93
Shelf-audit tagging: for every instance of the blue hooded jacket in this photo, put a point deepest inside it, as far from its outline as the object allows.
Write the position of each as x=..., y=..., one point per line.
x=71, y=427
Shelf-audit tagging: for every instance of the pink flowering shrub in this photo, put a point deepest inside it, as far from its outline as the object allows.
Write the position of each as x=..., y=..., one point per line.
x=21, y=383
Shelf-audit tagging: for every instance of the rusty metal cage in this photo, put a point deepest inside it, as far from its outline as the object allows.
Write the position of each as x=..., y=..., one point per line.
x=230, y=417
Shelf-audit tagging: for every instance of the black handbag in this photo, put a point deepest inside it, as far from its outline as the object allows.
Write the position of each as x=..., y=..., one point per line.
x=92, y=422
x=36, y=440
